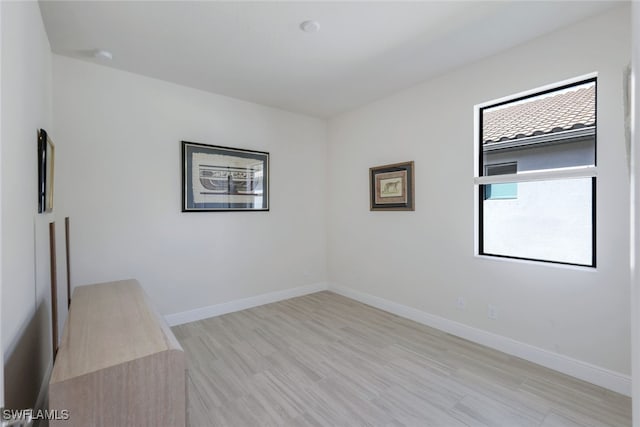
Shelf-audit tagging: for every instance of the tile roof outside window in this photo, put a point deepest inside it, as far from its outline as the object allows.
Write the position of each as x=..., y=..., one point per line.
x=564, y=111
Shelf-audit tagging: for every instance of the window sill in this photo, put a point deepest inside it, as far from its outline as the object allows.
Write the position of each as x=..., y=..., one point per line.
x=538, y=263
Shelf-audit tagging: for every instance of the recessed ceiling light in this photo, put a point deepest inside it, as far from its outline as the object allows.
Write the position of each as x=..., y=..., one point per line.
x=102, y=54
x=310, y=26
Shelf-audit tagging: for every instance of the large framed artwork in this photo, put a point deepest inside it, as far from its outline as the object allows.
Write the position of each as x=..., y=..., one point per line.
x=46, y=162
x=391, y=187
x=216, y=178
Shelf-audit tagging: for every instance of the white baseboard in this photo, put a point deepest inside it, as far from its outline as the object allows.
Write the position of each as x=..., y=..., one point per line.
x=602, y=377
x=242, y=304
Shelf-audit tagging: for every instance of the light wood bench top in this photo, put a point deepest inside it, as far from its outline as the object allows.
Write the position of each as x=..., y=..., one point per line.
x=109, y=324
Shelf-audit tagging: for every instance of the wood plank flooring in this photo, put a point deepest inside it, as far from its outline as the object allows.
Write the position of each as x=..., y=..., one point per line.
x=326, y=360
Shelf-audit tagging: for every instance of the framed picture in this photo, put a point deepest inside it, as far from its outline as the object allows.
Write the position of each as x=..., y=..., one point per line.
x=218, y=178
x=391, y=187
x=46, y=163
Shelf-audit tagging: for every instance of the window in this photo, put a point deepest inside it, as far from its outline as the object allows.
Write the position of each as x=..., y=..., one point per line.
x=536, y=175
x=508, y=190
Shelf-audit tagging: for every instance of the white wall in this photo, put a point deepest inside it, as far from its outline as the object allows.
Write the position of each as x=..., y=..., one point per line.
x=1, y=346
x=119, y=177
x=635, y=212
x=425, y=259
x=26, y=107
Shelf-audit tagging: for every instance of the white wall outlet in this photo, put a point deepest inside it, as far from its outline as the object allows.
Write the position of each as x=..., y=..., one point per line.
x=492, y=312
x=461, y=303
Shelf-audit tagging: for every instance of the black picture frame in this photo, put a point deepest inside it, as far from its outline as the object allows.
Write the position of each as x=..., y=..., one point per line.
x=391, y=187
x=223, y=179
x=46, y=162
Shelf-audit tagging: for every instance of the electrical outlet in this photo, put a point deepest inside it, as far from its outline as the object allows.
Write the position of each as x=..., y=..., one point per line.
x=461, y=304
x=492, y=312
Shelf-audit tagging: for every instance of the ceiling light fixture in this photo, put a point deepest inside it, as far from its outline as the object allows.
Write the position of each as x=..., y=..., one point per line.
x=310, y=26
x=102, y=54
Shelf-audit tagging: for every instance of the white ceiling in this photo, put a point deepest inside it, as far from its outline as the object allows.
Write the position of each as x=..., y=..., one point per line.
x=256, y=51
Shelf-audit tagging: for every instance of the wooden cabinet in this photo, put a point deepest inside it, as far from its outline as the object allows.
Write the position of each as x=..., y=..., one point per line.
x=118, y=363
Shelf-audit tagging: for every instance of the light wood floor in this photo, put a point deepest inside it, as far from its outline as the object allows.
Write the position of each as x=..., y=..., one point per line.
x=325, y=360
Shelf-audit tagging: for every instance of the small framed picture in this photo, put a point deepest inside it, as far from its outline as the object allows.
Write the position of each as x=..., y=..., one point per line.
x=216, y=178
x=391, y=187
x=46, y=163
